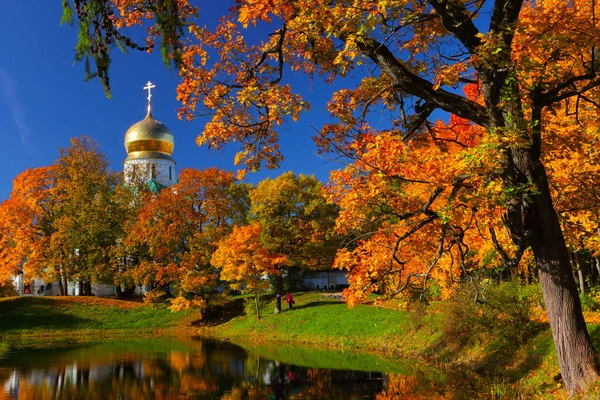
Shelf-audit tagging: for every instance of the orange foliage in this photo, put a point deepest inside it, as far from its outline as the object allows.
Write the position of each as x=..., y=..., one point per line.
x=417, y=211
x=244, y=261
x=177, y=231
x=417, y=205
x=24, y=222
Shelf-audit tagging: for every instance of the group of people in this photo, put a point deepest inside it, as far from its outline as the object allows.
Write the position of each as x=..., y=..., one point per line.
x=325, y=286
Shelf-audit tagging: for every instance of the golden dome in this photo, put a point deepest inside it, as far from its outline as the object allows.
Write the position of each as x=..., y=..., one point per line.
x=149, y=139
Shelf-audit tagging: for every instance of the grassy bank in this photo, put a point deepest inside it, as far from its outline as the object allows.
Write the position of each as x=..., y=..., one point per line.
x=319, y=320
x=30, y=317
x=523, y=367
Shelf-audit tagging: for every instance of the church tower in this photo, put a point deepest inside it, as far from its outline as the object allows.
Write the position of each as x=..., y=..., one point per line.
x=149, y=146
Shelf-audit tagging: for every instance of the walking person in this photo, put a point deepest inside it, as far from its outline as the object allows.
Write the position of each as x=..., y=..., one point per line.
x=290, y=299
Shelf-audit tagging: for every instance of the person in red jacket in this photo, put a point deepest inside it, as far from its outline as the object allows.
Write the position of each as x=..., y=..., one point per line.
x=290, y=299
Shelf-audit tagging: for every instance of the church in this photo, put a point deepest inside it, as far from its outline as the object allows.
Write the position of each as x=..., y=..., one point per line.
x=149, y=145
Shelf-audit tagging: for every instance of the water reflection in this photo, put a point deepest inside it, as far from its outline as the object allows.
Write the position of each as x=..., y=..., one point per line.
x=175, y=369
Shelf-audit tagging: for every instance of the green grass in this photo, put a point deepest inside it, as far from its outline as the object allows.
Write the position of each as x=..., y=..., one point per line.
x=31, y=316
x=319, y=321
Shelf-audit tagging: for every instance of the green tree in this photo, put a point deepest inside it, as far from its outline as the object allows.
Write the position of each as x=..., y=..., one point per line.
x=87, y=219
x=295, y=220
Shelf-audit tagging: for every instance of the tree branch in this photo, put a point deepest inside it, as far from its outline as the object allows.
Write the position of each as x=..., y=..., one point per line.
x=414, y=85
x=457, y=21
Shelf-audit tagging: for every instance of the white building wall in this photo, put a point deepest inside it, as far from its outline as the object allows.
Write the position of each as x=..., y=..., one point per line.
x=37, y=287
x=141, y=170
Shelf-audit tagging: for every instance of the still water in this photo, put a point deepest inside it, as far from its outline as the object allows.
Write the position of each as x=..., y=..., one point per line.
x=194, y=369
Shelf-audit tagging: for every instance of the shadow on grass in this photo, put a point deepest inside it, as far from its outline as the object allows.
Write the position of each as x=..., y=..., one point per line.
x=37, y=313
x=222, y=314
x=313, y=304
x=502, y=356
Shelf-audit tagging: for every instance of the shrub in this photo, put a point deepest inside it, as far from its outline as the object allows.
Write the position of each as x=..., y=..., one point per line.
x=461, y=318
x=510, y=305
x=417, y=311
x=589, y=302
x=155, y=296
x=7, y=289
x=503, y=316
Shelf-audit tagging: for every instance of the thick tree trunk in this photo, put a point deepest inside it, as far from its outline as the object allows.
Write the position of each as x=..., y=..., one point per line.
x=576, y=355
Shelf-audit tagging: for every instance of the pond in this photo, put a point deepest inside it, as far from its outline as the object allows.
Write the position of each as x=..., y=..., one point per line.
x=168, y=368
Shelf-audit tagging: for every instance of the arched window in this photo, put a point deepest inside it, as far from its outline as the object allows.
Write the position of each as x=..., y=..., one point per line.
x=170, y=175
x=153, y=172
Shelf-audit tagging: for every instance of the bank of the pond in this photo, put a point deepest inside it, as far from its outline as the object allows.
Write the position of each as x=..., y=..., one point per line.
x=70, y=316
x=519, y=369
x=525, y=368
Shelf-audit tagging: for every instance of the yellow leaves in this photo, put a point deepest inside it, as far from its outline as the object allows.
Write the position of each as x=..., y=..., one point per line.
x=181, y=303
x=254, y=11
x=448, y=75
x=552, y=40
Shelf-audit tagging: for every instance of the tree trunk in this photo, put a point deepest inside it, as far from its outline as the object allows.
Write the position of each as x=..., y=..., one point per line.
x=61, y=288
x=257, y=307
x=278, y=290
x=580, y=276
x=125, y=291
x=66, y=284
x=574, y=349
x=80, y=287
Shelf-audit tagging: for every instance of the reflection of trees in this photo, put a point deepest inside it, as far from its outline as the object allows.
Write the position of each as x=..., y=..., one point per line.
x=418, y=386
x=336, y=384
x=217, y=371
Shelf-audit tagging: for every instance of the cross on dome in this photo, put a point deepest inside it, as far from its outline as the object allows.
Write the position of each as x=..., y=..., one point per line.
x=149, y=86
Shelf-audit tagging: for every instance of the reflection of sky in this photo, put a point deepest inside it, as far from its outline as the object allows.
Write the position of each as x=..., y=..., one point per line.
x=69, y=376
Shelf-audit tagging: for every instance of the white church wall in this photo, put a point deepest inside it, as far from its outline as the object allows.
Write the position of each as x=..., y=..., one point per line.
x=141, y=169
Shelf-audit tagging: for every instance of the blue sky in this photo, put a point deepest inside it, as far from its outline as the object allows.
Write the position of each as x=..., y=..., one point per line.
x=44, y=101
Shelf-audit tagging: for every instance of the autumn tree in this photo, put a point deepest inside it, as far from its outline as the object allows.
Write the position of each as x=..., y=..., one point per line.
x=246, y=263
x=403, y=228
x=60, y=220
x=527, y=59
x=26, y=226
x=177, y=230
x=87, y=219
x=295, y=220
x=130, y=199
x=571, y=158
